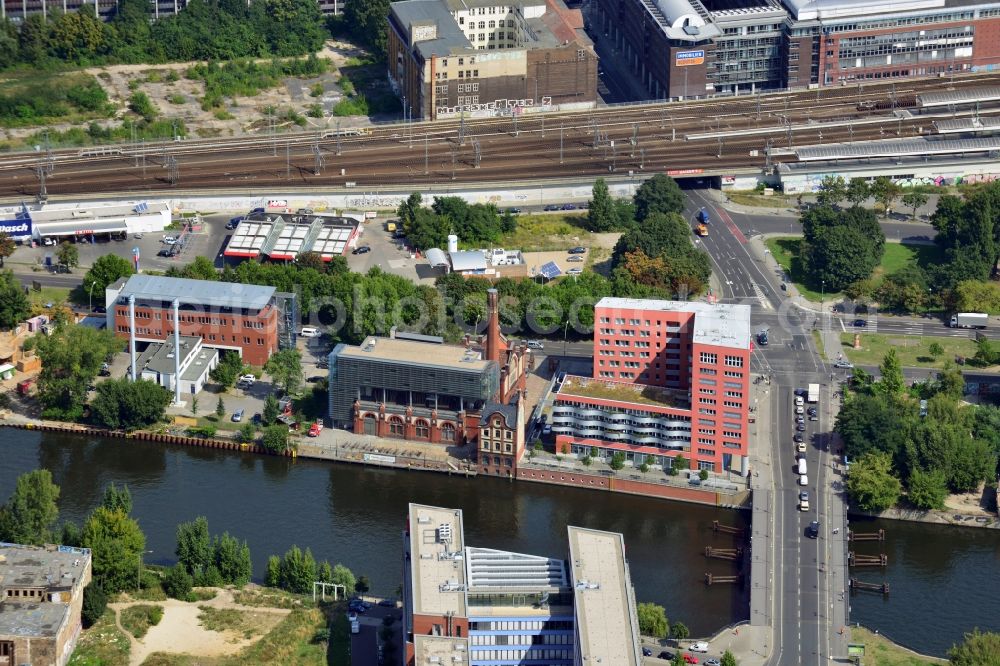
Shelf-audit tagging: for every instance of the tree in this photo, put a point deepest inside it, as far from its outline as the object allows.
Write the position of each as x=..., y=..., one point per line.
x=246, y=434
x=927, y=489
x=885, y=191
x=892, y=381
x=108, y=269
x=977, y=296
x=840, y=247
x=832, y=190
x=935, y=349
x=652, y=620
x=194, y=545
x=678, y=659
x=7, y=247
x=914, y=200
x=298, y=570
x=68, y=255
x=220, y=407
x=617, y=461
x=367, y=21
x=362, y=585
x=341, y=575
x=985, y=353
x=325, y=572
x=194, y=405
x=659, y=194
x=285, y=368
x=703, y=475
x=273, y=576
x=275, y=438
x=14, y=304
x=117, y=499
x=269, y=415
x=680, y=462
x=728, y=659
x=977, y=649
x=871, y=484
x=313, y=260
x=32, y=509
x=94, y=604
x=116, y=545
x=139, y=103
x=232, y=559
x=679, y=631
x=122, y=404
x=177, y=582
x=228, y=370
x=601, y=215
x=857, y=191
x=201, y=268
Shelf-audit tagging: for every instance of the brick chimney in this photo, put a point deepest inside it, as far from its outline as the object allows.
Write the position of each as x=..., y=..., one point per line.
x=492, y=325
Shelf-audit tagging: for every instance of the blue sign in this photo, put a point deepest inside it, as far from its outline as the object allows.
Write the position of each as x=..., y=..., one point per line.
x=19, y=227
x=687, y=58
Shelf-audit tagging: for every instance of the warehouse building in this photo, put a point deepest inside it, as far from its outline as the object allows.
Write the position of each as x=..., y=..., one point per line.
x=282, y=236
x=41, y=596
x=485, y=58
x=487, y=607
x=683, y=49
x=254, y=320
x=83, y=222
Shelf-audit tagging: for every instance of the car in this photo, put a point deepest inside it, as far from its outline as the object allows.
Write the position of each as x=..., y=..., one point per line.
x=59, y=268
x=579, y=249
x=698, y=646
x=357, y=606
x=804, y=500
x=362, y=249
x=258, y=210
x=646, y=652
x=247, y=379
x=388, y=603
x=575, y=258
x=800, y=419
x=547, y=430
x=235, y=222
x=576, y=270
x=799, y=409
x=536, y=344
x=352, y=617
x=514, y=211
x=762, y=339
x=801, y=392
x=713, y=662
x=169, y=240
x=237, y=416
x=860, y=323
x=257, y=418
x=315, y=429
x=568, y=207
x=48, y=241
x=552, y=207
x=812, y=411
x=801, y=446
x=323, y=364
x=846, y=365
x=690, y=658
x=813, y=530
x=797, y=438
x=105, y=370
x=99, y=309
x=165, y=252
x=799, y=401
x=309, y=332
x=665, y=655
x=800, y=426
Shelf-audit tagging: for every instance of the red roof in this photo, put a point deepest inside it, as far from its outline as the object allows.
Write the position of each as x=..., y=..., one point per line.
x=563, y=22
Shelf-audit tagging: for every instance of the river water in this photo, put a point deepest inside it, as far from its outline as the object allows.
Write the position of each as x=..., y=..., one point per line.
x=943, y=580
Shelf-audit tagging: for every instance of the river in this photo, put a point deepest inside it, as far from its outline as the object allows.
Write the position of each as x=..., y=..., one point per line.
x=943, y=579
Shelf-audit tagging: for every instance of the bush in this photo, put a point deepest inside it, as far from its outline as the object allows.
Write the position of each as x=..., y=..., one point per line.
x=178, y=582
x=314, y=110
x=617, y=461
x=94, y=604
x=703, y=475
x=643, y=467
x=155, y=615
x=275, y=438
x=587, y=460
x=177, y=98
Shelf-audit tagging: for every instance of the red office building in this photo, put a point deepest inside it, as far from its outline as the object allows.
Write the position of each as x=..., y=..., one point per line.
x=671, y=378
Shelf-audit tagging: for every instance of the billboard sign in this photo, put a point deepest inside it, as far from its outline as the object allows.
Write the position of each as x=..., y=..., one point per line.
x=18, y=227
x=688, y=58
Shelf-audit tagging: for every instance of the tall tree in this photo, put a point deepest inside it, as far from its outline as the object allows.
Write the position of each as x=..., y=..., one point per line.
x=68, y=255
x=341, y=575
x=116, y=544
x=285, y=368
x=977, y=649
x=857, y=191
x=601, y=215
x=270, y=412
x=368, y=21
x=194, y=546
x=832, y=190
x=127, y=405
x=891, y=369
x=106, y=270
x=885, y=191
x=652, y=620
x=117, y=499
x=29, y=514
x=7, y=247
x=871, y=484
x=14, y=304
x=927, y=489
x=914, y=200
x=659, y=194
x=232, y=559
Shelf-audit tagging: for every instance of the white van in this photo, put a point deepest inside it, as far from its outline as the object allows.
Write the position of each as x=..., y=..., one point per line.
x=309, y=332
x=803, y=480
x=802, y=466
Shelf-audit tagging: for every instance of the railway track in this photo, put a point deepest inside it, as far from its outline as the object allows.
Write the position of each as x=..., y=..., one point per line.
x=703, y=134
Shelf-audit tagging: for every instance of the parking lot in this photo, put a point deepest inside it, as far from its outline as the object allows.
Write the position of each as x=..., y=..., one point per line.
x=389, y=254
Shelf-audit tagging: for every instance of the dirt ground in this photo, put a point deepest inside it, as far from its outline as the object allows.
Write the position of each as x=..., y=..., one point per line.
x=969, y=504
x=180, y=631
x=248, y=113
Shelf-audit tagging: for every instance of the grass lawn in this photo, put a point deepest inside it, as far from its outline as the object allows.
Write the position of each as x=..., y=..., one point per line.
x=912, y=350
x=230, y=619
x=881, y=652
x=818, y=341
x=138, y=619
x=54, y=295
x=290, y=642
x=785, y=250
x=545, y=233
x=760, y=201
x=102, y=645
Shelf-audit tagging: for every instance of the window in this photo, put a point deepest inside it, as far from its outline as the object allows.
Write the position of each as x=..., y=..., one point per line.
x=461, y=61
x=482, y=26
x=423, y=431
x=709, y=358
x=733, y=361
x=448, y=432
x=396, y=427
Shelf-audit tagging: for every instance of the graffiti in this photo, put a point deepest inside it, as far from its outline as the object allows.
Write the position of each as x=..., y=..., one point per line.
x=496, y=108
x=375, y=201
x=976, y=178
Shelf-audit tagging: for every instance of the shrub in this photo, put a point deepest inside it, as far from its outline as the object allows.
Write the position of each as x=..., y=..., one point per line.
x=178, y=582
x=94, y=604
x=703, y=475
x=587, y=460
x=176, y=98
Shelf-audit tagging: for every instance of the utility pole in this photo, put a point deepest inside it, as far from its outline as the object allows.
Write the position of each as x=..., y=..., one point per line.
x=288, y=161
x=513, y=114
x=479, y=154
x=338, y=139
x=461, y=129
x=425, y=154
x=173, y=172
x=143, y=153
x=560, y=143
x=453, y=151
x=318, y=162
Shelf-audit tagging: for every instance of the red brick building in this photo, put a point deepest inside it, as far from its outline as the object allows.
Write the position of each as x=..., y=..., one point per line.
x=670, y=378
x=245, y=318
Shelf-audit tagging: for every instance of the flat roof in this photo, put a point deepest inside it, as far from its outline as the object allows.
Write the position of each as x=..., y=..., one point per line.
x=84, y=212
x=831, y=9
x=719, y=324
x=607, y=627
x=248, y=240
x=452, y=357
x=290, y=241
x=198, y=292
x=331, y=241
x=159, y=356
x=58, y=568
x=490, y=569
x=609, y=389
x=468, y=260
x=959, y=96
x=896, y=148
x=440, y=650
x=437, y=541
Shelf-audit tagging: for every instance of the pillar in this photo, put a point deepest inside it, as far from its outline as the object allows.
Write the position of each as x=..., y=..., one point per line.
x=131, y=333
x=177, y=352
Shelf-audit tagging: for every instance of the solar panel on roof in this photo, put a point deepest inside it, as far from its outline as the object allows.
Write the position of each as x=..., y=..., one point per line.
x=550, y=270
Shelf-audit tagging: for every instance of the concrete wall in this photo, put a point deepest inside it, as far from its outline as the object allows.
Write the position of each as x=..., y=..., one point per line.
x=611, y=483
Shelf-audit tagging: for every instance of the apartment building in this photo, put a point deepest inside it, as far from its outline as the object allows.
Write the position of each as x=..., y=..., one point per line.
x=670, y=378
x=488, y=607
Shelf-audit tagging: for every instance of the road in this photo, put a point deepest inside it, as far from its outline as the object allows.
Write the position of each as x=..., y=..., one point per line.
x=697, y=136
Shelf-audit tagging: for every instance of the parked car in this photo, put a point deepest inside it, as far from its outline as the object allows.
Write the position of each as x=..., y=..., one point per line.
x=169, y=240
x=713, y=662
x=99, y=309
x=801, y=446
x=576, y=270
x=237, y=416
x=664, y=654
x=234, y=222
x=315, y=429
x=812, y=411
x=804, y=500
x=105, y=370
x=797, y=438
x=309, y=332
x=799, y=409
x=690, y=658
x=247, y=379
x=551, y=207
x=48, y=241
x=165, y=252
x=514, y=211
x=846, y=365
x=363, y=249
x=699, y=646
x=535, y=344
x=547, y=430
x=575, y=258
x=568, y=207
x=578, y=250
x=800, y=426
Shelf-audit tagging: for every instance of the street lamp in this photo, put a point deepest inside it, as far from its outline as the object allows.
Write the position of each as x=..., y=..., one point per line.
x=565, y=330
x=90, y=295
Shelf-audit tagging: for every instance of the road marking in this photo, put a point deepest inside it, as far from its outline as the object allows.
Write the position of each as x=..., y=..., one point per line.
x=733, y=229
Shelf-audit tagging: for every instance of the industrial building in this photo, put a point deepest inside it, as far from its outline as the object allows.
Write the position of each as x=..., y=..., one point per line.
x=486, y=58
x=254, y=320
x=160, y=363
x=415, y=387
x=683, y=49
x=284, y=236
x=83, y=221
x=41, y=595
x=670, y=377
x=486, y=607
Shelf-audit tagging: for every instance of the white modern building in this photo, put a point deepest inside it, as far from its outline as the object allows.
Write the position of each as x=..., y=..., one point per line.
x=83, y=221
x=196, y=362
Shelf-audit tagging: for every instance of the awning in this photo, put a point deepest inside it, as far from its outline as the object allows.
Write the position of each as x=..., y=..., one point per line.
x=436, y=257
x=81, y=227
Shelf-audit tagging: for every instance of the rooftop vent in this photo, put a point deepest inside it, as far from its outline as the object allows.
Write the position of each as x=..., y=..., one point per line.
x=692, y=30
x=444, y=532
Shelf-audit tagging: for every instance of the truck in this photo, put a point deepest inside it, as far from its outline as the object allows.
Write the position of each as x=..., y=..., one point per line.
x=701, y=229
x=969, y=320
x=813, y=393
x=390, y=226
x=703, y=216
